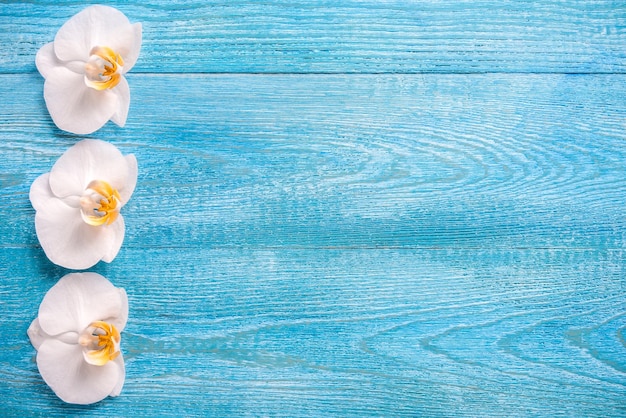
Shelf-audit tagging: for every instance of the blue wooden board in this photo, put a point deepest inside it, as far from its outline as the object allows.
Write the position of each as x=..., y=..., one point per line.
x=362, y=36
x=346, y=209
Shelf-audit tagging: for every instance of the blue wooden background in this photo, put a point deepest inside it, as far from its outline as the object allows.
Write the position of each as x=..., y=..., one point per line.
x=345, y=208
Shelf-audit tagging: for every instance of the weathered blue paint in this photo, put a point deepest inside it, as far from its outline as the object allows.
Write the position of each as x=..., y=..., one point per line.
x=381, y=208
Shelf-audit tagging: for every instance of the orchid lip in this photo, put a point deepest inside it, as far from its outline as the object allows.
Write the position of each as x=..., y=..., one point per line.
x=101, y=343
x=104, y=68
x=100, y=203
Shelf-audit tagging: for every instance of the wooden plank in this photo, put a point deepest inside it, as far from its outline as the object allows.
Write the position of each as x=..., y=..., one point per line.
x=301, y=332
x=352, y=36
x=314, y=235
x=346, y=245
x=471, y=161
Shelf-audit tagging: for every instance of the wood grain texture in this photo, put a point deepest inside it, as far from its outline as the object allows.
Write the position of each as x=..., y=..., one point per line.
x=347, y=332
x=343, y=245
x=339, y=214
x=506, y=161
x=576, y=36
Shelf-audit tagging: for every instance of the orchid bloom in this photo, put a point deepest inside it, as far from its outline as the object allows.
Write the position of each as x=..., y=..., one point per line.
x=77, y=338
x=78, y=220
x=84, y=69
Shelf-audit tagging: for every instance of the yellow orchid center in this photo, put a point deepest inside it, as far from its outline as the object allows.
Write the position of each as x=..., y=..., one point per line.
x=100, y=203
x=103, y=69
x=101, y=343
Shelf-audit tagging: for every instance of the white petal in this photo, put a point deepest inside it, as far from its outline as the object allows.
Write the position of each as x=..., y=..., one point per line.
x=123, y=102
x=119, y=361
x=36, y=334
x=73, y=106
x=40, y=191
x=73, y=380
x=94, y=26
x=131, y=179
x=120, y=320
x=130, y=52
x=67, y=240
x=71, y=243
x=89, y=160
x=46, y=59
x=115, y=232
x=79, y=299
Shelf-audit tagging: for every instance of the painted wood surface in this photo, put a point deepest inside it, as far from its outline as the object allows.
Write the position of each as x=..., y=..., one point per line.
x=364, y=36
x=441, y=233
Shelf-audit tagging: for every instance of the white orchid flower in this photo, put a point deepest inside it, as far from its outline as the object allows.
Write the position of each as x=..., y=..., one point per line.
x=84, y=69
x=78, y=220
x=77, y=338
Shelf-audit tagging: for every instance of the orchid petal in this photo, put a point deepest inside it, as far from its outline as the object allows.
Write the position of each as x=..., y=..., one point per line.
x=122, y=316
x=86, y=161
x=46, y=59
x=68, y=241
x=116, y=232
x=40, y=192
x=131, y=179
x=75, y=107
x=119, y=361
x=122, y=91
x=78, y=299
x=72, y=379
x=36, y=334
x=94, y=26
x=133, y=48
